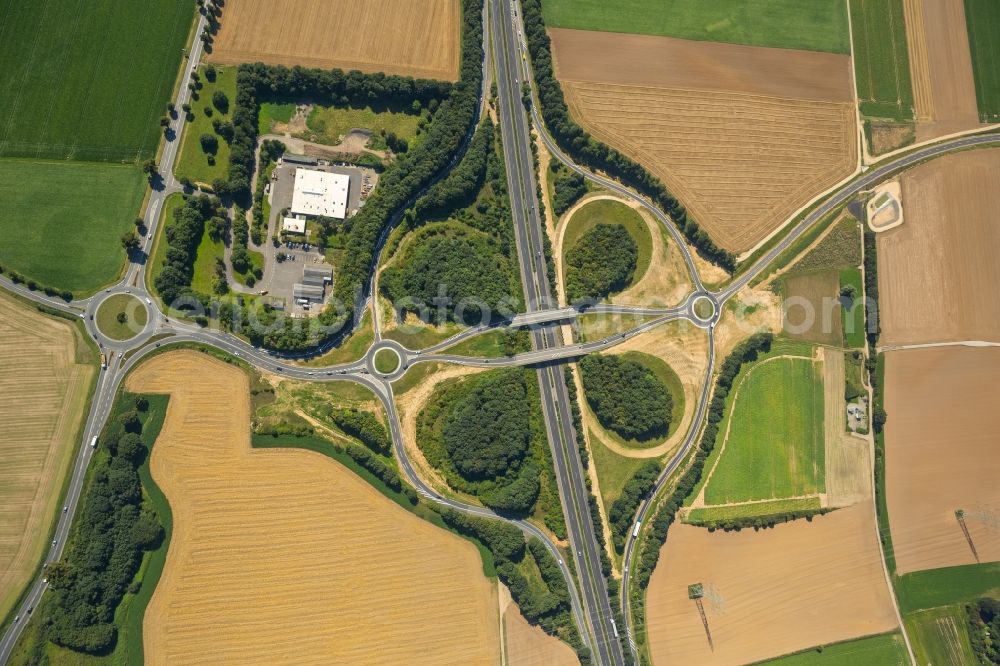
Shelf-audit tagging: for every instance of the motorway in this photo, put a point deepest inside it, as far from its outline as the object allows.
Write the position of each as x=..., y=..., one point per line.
x=590, y=604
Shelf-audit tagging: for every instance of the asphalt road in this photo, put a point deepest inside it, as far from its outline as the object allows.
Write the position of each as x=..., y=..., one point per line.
x=591, y=609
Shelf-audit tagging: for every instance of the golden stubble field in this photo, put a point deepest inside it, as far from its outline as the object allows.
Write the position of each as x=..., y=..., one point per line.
x=768, y=593
x=527, y=645
x=418, y=38
x=944, y=92
x=938, y=271
x=43, y=390
x=942, y=444
x=284, y=556
x=743, y=136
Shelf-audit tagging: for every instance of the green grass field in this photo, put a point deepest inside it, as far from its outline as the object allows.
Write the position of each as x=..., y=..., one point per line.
x=61, y=222
x=881, y=650
x=815, y=25
x=192, y=161
x=88, y=81
x=613, y=470
x=775, y=445
x=950, y=585
x=983, y=20
x=110, y=308
x=386, y=361
x=940, y=636
x=853, y=319
x=209, y=253
x=328, y=123
x=881, y=59
x=606, y=211
x=271, y=113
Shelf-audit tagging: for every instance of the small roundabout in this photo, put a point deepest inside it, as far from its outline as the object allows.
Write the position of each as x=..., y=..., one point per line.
x=121, y=317
x=703, y=309
x=386, y=359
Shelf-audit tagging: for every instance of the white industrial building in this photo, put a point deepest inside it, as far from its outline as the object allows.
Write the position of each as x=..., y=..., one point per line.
x=320, y=193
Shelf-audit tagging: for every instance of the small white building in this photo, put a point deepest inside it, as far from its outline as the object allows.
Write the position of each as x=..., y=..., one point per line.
x=293, y=225
x=320, y=193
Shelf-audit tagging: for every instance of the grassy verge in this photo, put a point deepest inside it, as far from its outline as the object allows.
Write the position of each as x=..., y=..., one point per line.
x=350, y=349
x=613, y=470
x=158, y=253
x=718, y=513
x=62, y=221
x=192, y=161
x=881, y=650
x=853, y=318
x=210, y=252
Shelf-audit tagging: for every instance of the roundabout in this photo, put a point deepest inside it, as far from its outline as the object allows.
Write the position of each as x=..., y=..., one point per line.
x=386, y=359
x=121, y=317
x=703, y=309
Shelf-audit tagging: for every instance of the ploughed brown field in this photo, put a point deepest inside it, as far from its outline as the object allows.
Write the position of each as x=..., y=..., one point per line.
x=418, y=38
x=768, y=593
x=742, y=135
x=43, y=392
x=944, y=92
x=938, y=271
x=942, y=444
x=284, y=556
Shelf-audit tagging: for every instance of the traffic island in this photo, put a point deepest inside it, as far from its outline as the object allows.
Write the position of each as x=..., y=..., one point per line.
x=386, y=361
x=121, y=317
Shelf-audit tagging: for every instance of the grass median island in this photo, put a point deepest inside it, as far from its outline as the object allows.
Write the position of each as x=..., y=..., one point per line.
x=816, y=25
x=88, y=84
x=121, y=317
x=983, y=20
x=595, y=229
x=386, y=361
x=192, y=160
x=62, y=222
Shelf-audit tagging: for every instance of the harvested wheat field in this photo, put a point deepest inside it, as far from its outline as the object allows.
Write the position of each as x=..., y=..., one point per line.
x=742, y=135
x=937, y=272
x=526, y=645
x=43, y=391
x=283, y=556
x=942, y=444
x=418, y=38
x=768, y=593
x=944, y=92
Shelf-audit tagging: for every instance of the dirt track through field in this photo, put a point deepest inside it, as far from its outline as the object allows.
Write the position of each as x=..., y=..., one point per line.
x=284, y=556
x=43, y=391
x=942, y=454
x=742, y=136
x=768, y=593
x=418, y=38
x=938, y=271
x=944, y=91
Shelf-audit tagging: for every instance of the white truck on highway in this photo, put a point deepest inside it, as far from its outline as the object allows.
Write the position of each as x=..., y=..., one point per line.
x=93, y=442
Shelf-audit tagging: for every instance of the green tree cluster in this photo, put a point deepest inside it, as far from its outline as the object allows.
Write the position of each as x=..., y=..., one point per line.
x=567, y=186
x=622, y=509
x=183, y=237
x=600, y=263
x=111, y=532
x=984, y=629
x=626, y=396
x=365, y=427
x=585, y=149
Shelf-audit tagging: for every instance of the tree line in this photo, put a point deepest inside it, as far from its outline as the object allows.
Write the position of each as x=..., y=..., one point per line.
x=585, y=149
x=183, y=237
x=768, y=521
x=622, y=509
x=111, y=532
x=983, y=617
x=600, y=263
x=626, y=396
x=567, y=187
x=364, y=427
x=746, y=352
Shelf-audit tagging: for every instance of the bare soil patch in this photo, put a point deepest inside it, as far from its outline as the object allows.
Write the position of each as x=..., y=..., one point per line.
x=768, y=593
x=942, y=454
x=938, y=272
x=743, y=136
x=847, y=458
x=944, y=91
x=284, y=556
x=417, y=38
x=43, y=390
x=530, y=646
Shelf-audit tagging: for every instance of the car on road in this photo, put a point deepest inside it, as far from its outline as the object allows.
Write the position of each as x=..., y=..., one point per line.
x=149, y=301
x=65, y=509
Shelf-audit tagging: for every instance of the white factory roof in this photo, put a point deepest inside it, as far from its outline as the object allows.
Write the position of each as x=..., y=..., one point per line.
x=320, y=193
x=293, y=225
